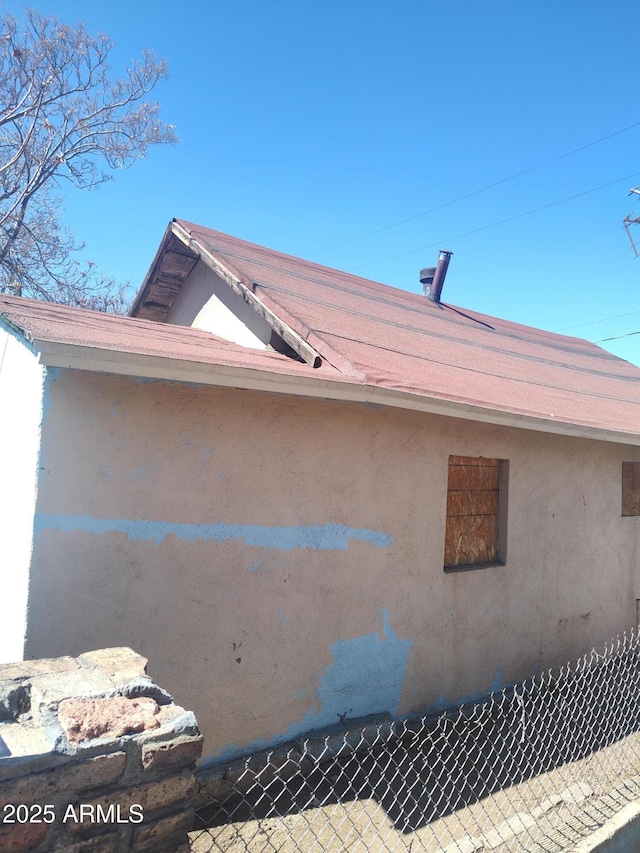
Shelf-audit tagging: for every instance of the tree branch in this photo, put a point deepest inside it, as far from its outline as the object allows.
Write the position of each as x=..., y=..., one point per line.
x=63, y=118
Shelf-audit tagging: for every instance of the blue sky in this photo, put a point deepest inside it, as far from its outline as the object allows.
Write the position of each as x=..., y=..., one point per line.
x=306, y=125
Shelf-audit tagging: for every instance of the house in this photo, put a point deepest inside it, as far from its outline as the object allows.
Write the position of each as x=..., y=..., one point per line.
x=307, y=497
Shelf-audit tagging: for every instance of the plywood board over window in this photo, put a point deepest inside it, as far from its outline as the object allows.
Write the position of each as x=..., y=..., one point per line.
x=630, y=488
x=476, y=512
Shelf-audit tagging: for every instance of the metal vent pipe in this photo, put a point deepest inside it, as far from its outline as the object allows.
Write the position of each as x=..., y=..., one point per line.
x=432, y=278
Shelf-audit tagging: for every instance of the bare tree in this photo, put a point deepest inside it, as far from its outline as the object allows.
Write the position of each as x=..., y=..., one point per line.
x=64, y=120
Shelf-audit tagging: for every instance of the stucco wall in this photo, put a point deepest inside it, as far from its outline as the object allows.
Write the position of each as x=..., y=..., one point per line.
x=210, y=304
x=21, y=380
x=280, y=559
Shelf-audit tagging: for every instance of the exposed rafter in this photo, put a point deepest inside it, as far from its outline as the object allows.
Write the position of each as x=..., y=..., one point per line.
x=289, y=335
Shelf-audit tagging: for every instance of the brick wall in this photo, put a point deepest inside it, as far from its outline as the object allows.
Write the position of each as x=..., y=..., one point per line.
x=94, y=758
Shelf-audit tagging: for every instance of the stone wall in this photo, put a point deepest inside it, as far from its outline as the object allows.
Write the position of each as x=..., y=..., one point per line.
x=94, y=757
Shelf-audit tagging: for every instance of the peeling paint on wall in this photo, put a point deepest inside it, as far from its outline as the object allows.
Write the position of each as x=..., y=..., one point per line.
x=320, y=537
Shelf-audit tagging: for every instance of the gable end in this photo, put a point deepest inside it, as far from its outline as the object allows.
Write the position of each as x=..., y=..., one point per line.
x=171, y=267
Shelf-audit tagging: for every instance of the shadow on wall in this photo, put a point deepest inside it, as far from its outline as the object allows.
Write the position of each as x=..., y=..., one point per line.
x=553, y=731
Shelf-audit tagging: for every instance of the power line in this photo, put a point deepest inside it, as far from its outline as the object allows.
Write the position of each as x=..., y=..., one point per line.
x=494, y=224
x=617, y=338
x=425, y=212
x=476, y=192
x=593, y=322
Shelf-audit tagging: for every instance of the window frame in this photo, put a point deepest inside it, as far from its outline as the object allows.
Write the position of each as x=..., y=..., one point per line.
x=501, y=514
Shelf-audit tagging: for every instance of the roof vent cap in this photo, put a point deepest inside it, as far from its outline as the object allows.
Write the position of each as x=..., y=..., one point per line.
x=432, y=278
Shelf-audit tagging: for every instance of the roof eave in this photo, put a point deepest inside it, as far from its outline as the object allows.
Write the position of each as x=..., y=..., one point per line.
x=299, y=345
x=170, y=268
x=164, y=281
x=97, y=360
x=15, y=328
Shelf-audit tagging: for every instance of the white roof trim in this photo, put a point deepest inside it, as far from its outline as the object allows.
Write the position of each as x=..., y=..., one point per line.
x=295, y=341
x=97, y=360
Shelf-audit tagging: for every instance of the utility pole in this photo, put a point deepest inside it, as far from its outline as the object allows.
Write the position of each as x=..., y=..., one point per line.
x=632, y=220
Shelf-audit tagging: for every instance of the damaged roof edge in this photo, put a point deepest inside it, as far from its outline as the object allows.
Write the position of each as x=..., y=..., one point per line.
x=20, y=332
x=198, y=251
x=97, y=360
x=143, y=291
x=295, y=341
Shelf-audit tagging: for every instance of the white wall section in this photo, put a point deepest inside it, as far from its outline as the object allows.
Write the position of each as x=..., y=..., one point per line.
x=208, y=303
x=21, y=396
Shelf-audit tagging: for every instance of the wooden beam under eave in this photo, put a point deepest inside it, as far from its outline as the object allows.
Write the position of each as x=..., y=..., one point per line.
x=170, y=268
x=297, y=343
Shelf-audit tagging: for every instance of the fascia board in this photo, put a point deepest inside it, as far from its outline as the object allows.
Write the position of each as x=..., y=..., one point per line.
x=96, y=360
x=17, y=332
x=161, y=251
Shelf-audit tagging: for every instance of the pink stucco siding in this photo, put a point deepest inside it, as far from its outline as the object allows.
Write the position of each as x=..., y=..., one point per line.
x=280, y=559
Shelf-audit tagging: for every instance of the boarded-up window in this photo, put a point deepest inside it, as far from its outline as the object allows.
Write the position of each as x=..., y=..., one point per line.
x=631, y=488
x=476, y=512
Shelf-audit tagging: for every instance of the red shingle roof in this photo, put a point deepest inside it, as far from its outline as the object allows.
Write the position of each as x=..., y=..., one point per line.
x=398, y=340
x=48, y=323
x=372, y=336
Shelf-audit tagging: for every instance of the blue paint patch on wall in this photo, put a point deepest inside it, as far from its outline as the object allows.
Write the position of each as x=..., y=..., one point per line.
x=319, y=537
x=365, y=678
x=332, y=686
x=496, y=684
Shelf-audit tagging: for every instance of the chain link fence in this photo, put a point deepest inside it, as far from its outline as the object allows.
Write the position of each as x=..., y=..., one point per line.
x=534, y=767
